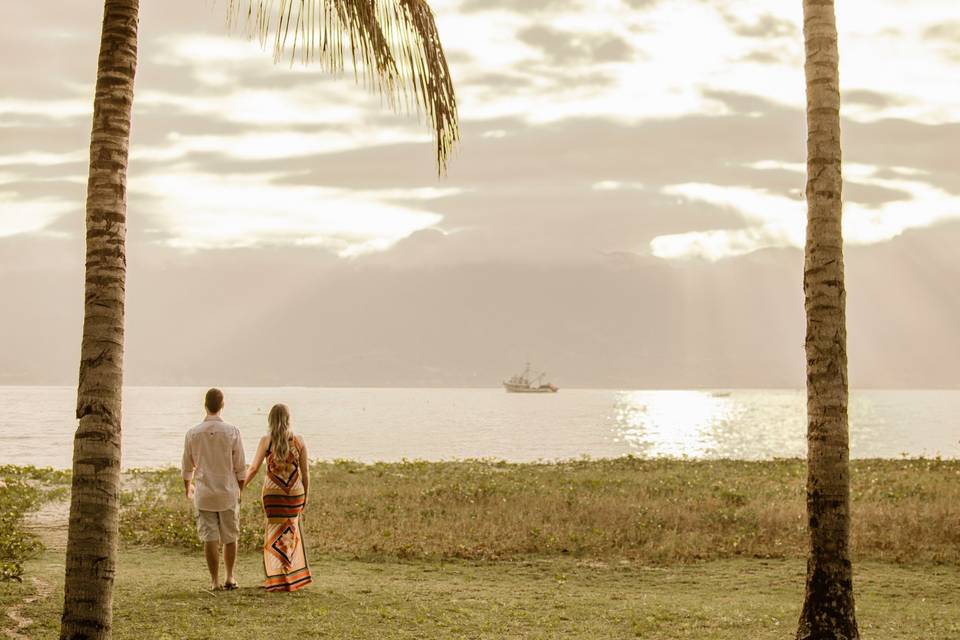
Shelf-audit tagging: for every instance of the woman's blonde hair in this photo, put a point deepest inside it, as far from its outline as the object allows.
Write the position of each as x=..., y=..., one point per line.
x=279, y=422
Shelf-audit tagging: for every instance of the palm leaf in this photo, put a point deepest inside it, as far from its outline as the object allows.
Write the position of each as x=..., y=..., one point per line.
x=393, y=44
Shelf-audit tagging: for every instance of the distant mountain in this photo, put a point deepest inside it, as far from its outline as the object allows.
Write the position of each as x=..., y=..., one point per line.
x=285, y=318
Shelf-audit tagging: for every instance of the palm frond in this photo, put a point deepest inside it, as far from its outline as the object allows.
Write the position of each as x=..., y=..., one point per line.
x=393, y=44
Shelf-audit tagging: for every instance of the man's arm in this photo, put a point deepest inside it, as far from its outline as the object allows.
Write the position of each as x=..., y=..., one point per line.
x=239, y=461
x=187, y=467
x=257, y=460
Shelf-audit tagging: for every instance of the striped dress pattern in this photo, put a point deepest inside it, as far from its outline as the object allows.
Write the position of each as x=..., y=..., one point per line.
x=283, y=496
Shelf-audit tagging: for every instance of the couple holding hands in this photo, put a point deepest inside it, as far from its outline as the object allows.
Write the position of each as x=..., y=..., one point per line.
x=214, y=475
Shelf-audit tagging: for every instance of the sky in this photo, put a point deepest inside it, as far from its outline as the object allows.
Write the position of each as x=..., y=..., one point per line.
x=625, y=208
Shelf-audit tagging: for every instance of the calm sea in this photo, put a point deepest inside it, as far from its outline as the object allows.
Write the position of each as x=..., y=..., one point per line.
x=36, y=423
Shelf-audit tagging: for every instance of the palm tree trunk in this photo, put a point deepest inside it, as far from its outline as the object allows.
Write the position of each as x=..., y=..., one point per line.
x=92, y=541
x=828, y=608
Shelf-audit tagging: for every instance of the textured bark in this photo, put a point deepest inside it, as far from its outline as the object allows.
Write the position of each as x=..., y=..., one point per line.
x=828, y=608
x=92, y=541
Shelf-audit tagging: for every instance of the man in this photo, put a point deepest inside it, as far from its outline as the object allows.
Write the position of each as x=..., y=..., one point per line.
x=213, y=471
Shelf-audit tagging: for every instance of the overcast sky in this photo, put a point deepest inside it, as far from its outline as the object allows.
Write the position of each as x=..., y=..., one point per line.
x=625, y=208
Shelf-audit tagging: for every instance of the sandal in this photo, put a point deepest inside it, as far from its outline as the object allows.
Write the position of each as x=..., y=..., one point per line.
x=230, y=586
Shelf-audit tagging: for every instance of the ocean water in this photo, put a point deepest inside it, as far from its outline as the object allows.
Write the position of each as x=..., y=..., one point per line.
x=37, y=423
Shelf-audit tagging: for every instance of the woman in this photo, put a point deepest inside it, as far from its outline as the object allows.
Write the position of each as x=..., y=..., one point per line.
x=285, y=489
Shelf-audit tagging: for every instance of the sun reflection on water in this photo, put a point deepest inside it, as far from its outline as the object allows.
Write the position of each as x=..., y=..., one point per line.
x=675, y=423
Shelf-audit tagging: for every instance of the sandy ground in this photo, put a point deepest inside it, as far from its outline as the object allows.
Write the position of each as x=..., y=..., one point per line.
x=49, y=523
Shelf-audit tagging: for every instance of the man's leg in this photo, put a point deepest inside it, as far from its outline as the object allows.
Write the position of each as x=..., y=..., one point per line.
x=209, y=532
x=229, y=533
x=229, y=560
x=211, y=550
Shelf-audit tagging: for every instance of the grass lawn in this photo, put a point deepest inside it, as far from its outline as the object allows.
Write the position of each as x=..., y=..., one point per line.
x=160, y=595
x=591, y=549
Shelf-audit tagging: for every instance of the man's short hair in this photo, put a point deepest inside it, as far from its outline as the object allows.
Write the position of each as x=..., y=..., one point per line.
x=214, y=400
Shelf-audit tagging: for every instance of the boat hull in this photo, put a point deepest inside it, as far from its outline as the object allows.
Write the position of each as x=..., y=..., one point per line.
x=518, y=388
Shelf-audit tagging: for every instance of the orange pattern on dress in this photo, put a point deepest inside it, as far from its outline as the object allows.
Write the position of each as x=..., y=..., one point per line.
x=283, y=496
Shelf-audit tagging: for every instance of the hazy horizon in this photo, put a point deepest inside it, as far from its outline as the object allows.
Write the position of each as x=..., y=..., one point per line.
x=377, y=425
x=621, y=212
x=497, y=386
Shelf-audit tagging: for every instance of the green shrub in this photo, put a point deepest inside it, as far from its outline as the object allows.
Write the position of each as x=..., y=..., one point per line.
x=647, y=511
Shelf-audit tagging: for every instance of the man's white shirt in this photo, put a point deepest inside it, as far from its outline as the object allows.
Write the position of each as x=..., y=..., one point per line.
x=213, y=458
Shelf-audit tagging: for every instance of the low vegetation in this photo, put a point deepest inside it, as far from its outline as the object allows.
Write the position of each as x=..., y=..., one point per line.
x=159, y=595
x=654, y=549
x=644, y=511
x=23, y=489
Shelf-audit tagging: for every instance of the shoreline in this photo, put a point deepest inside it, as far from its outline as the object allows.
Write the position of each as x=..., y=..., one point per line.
x=384, y=426
x=504, y=462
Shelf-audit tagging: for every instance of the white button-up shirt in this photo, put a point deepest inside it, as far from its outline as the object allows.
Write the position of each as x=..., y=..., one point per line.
x=213, y=459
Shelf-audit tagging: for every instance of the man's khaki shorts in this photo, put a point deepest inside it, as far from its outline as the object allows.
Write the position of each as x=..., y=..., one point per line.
x=219, y=526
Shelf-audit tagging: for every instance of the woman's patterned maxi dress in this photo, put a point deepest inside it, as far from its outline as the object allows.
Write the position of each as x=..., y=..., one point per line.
x=284, y=555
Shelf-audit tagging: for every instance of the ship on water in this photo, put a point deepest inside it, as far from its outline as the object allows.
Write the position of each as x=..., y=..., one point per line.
x=528, y=382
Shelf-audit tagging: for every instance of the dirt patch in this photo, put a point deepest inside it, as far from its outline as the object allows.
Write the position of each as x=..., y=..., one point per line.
x=20, y=621
x=49, y=524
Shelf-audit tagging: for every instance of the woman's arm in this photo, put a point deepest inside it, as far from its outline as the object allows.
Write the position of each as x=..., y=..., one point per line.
x=257, y=460
x=305, y=471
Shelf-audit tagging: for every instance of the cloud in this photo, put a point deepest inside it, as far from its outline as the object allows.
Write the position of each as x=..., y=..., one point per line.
x=261, y=107
x=868, y=98
x=778, y=221
x=220, y=50
x=616, y=185
x=275, y=145
x=765, y=26
x=510, y=193
x=566, y=47
x=502, y=81
x=948, y=31
x=205, y=211
x=712, y=245
x=520, y=5
x=743, y=103
x=775, y=221
x=641, y=4
x=902, y=143
x=19, y=216
x=766, y=56
x=42, y=159
x=62, y=109
x=945, y=37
